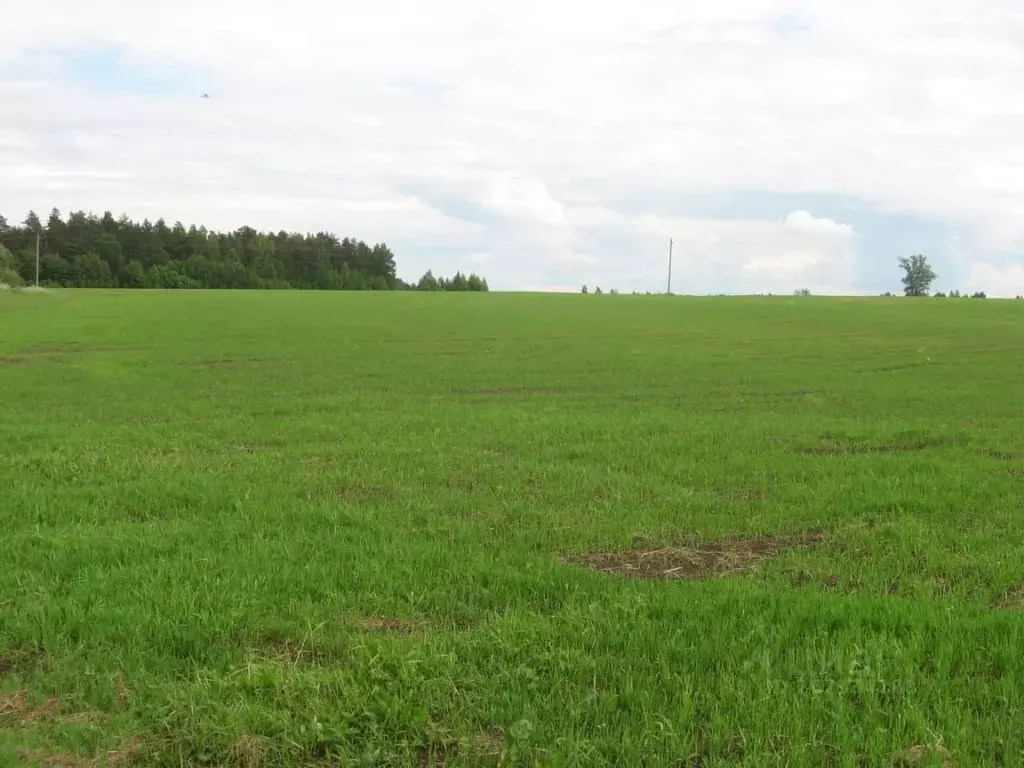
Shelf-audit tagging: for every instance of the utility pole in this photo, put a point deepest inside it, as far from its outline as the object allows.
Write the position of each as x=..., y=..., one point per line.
x=37, y=257
x=670, y=266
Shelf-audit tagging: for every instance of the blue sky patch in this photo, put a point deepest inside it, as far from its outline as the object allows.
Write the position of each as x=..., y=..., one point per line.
x=112, y=70
x=790, y=23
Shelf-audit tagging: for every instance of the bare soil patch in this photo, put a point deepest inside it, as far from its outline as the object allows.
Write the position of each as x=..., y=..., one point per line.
x=114, y=758
x=20, y=659
x=279, y=647
x=63, y=760
x=292, y=651
x=743, y=494
x=50, y=349
x=219, y=363
x=916, y=755
x=247, y=449
x=124, y=754
x=490, y=742
x=248, y=751
x=385, y=624
x=59, y=353
x=1001, y=455
x=898, y=367
x=485, y=746
x=74, y=347
x=16, y=710
x=708, y=560
x=364, y=492
x=1011, y=599
x=226, y=362
x=438, y=755
x=453, y=352
x=833, y=446
x=123, y=694
x=522, y=391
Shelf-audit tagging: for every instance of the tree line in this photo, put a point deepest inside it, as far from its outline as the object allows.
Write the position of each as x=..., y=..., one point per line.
x=89, y=251
x=459, y=282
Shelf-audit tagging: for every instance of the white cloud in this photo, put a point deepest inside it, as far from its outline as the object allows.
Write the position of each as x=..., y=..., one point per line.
x=789, y=263
x=593, y=217
x=758, y=256
x=543, y=115
x=802, y=221
x=520, y=198
x=1003, y=281
x=572, y=257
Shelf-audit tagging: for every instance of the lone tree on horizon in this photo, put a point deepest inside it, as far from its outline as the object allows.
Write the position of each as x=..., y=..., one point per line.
x=918, y=275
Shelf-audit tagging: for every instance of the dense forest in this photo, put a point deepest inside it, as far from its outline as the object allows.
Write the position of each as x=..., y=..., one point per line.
x=89, y=251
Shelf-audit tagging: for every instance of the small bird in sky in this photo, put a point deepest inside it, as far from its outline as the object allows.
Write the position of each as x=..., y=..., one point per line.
x=204, y=96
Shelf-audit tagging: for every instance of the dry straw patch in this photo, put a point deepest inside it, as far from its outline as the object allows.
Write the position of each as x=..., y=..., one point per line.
x=1012, y=598
x=707, y=560
x=120, y=757
x=919, y=754
x=15, y=709
x=248, y=751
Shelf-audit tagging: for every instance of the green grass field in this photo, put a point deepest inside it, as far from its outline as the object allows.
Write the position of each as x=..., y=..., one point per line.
x=304, y=529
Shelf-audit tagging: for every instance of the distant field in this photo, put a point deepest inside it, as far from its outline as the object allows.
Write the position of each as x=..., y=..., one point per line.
x=309, y=529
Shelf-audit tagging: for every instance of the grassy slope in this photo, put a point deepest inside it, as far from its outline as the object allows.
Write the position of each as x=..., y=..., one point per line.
x=204, y=494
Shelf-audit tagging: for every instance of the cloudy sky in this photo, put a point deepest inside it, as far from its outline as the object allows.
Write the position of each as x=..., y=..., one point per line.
x=781, y=143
